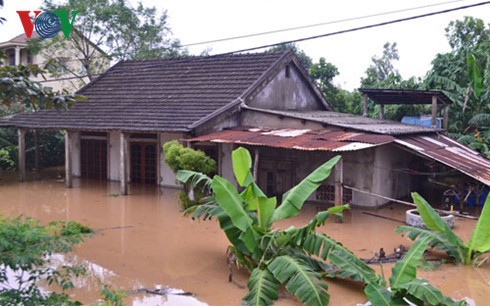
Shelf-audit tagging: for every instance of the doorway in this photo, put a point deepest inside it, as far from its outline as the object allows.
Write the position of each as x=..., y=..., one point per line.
x=143, y=163
x=93, y=159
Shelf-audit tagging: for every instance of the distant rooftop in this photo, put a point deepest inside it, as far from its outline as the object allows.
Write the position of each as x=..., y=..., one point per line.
x=405, y=96
x=355, y=122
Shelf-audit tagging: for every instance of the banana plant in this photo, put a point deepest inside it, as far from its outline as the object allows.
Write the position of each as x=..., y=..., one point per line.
x=406, y=288
x=296, y=258
x=443, y=238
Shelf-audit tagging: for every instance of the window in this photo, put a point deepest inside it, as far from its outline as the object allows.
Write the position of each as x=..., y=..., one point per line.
x=29, y=57
x=288, y=71
x=11, y=59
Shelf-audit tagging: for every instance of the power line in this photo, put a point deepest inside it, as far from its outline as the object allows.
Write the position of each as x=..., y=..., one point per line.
x=375, y=25
x=318, y=24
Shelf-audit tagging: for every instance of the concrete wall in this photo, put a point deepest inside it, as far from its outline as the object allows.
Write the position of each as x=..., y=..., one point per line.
x=225, y=164
x=375, y=170
x=287, y=93
x=258, y=119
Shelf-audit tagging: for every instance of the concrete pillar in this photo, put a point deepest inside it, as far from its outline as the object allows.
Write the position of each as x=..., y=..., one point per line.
x=365, y=113
x=339, y=181
x=124, y=163
x=382, y=111
x=434, y=111
x=21, y=133
x=445, y=122
x=256, y=165
x=68, y=160
x=17, y=56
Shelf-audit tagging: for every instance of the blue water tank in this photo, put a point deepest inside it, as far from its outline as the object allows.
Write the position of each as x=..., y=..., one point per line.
x=421, y=121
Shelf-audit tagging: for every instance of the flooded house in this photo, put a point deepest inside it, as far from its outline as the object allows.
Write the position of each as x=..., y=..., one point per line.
x=268, y=103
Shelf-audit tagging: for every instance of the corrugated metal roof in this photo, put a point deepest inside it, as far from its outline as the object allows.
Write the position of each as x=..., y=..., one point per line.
x=405, y=96
x=352, y=122
x=299, y=139
x=451, y=153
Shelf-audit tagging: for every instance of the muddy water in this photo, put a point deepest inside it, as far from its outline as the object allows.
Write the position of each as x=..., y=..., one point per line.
x=143, y=241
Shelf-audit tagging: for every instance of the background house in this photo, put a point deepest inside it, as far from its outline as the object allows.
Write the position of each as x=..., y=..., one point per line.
x=266, y=102
x=63, y=61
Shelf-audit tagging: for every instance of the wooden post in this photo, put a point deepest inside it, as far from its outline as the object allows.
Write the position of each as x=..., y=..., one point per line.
x=382, y=111
x=339, y=181
x=256, y=164
x=365, y=113
x=68, y=160
x=124, y=163
x=21, y=133
x=434, y=111
x=37, y=151
x=446, y=118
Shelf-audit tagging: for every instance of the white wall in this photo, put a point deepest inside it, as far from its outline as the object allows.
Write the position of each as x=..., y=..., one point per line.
x=166, y=175
x=114, y=155
x=226, y=167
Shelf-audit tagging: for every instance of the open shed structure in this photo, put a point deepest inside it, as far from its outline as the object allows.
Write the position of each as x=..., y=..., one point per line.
x=266, y=102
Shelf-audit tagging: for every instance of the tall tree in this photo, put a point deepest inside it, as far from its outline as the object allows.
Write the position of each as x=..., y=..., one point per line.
x=112, y=28
x=382, y=73
x=464, y=73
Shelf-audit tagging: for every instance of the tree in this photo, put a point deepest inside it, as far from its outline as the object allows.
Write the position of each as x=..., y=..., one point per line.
x=26, y=248
x=383, y=74
x=112, y=27
x=464, y=73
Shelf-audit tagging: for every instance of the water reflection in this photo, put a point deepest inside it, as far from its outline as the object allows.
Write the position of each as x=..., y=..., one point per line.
x=143, y=241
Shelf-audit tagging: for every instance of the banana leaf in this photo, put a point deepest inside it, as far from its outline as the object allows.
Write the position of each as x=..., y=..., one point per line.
x=405, y=270
x=230, y=201
x=354, y=268
x=300, y=280
x=242, y=162
x=434, y=222
x=294, y=199
x=480, y=238
x=424, y=293
x=438, y=240
x=378, y=295
x=263, y=288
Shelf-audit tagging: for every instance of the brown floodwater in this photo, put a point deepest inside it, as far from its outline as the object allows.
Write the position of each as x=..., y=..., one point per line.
x=143, y=241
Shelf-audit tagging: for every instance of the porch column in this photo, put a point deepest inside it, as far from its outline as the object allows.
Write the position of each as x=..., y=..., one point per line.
x=68, y=160
x=124, y=163
x=21, y=133
x=17, y=56
x=382, y=111
x=445, y=122
x=339, y=181
x=256, y=165
x=365, y=113
x=434, y=111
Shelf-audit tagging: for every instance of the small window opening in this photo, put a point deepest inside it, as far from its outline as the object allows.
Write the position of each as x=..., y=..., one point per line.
x=288, y=71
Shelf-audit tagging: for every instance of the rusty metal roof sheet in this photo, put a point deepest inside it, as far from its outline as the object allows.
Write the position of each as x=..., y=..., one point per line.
x=451, y=153
x=299, y=139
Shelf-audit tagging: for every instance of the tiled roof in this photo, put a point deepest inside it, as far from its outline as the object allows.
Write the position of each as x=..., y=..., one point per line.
x=354, y=122
x=158, y=95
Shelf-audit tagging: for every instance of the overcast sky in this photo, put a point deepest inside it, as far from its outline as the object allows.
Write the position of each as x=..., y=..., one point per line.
x=195, y=21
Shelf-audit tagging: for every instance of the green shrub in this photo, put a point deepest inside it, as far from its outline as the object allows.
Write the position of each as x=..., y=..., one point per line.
x=179, y=158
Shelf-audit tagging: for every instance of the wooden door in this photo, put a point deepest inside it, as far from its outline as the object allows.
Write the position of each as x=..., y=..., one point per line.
x=93, y=161
x=143, y=163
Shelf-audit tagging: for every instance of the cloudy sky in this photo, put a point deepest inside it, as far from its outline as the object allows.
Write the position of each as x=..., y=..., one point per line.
x=194, y=21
